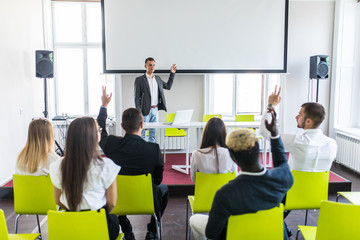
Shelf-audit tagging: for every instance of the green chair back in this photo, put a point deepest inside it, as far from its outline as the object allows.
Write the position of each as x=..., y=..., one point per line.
x=173, y=132
x=3, y=227
x=207, y=117
x=265, y=224
x=245, y=118
x=135, y=195
x=309, y=189
x=206, y=186
x=4, y=235
x=336, y=221
x=33, y=194
x=78, y=225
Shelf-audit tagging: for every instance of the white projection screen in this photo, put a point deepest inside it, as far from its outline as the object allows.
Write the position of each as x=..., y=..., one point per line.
x=200, y=36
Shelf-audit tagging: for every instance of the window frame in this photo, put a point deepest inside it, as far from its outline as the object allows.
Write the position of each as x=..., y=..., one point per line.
x=83, y=45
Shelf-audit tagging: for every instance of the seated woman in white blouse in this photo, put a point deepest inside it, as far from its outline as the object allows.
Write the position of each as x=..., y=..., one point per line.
x=213, y=155
x=84, y=180
x=35, y=158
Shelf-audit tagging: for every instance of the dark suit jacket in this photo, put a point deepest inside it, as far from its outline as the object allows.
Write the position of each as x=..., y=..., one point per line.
x=134, y=155
x=142, y=93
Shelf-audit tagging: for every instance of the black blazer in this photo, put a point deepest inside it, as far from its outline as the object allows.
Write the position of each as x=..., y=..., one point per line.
x=134, y=155
x=142, y=93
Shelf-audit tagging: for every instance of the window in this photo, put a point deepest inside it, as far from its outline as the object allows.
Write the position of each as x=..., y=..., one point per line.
x=78, y=59
x=231, y=94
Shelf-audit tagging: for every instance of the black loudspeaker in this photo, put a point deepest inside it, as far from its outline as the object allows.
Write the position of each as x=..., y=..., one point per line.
x=319, y=67
x=44, y=64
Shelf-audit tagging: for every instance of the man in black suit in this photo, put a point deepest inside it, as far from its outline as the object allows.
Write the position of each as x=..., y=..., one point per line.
x=149, y=94
x=135, y=156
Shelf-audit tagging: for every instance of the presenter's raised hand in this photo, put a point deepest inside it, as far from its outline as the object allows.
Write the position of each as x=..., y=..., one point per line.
x=274, y=98
x=173, y=68
x=105, y=98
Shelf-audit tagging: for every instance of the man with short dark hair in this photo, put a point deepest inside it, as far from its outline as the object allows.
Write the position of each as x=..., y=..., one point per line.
x=149, y=94
x=135, y=157
x=256, y=188
x=310, y=151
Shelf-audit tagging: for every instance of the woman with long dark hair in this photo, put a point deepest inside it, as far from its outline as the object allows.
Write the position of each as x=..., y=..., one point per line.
x=84, y=180
x=213, y=155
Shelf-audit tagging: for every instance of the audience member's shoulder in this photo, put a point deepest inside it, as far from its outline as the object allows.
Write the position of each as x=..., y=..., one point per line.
x=115, y=138
x=151, y=144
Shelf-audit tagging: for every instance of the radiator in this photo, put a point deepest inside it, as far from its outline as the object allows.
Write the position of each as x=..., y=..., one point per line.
x=348, y=152
x=171, y=143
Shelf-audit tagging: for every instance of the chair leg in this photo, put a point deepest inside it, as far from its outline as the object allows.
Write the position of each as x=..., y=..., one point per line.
x=306, y=215
x=187, y=219
x=297, y=233
x=38, y=223
x=158, y=228
x=16, y=222
x=164, y=149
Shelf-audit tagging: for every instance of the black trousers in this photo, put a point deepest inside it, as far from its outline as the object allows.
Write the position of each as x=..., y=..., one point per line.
x=161, y=197
x=113, y=225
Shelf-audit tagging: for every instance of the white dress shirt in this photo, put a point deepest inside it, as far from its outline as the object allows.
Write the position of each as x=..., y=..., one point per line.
x=153, y=89
x=204, y=161
x=310, y=151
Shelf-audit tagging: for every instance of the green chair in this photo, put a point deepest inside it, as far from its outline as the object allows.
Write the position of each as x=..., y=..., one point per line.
x=206, y=186
x=172, y=132
x=353, y=197
x=245, y=118
x=78, y=225
x=336, y=221
x=207, y=117
x=4, y=234
x=309, y=189
x=135, y=197
x=33, y=195
x=264, y=224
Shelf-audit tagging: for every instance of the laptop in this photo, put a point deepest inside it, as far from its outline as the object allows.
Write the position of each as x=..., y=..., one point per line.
x=181, y=117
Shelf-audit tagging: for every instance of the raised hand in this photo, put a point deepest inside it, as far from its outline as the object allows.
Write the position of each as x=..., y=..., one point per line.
x=271, y=127
x=105, y=98
x=173, y=68
x=274, y=97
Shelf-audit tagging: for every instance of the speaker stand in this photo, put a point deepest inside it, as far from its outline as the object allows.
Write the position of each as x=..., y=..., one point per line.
x=58, y=149
x=317, y=90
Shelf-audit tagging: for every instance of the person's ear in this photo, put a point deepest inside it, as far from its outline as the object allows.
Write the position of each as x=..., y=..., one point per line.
x=309, y=123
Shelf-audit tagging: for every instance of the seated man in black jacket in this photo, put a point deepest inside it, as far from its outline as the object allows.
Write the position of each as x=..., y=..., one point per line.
x=135, y=156
x=254, y=189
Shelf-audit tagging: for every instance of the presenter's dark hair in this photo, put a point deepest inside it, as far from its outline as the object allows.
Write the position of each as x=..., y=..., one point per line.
x=81, y=148
x=314, y=111
x=149, y=59
x=131, y=120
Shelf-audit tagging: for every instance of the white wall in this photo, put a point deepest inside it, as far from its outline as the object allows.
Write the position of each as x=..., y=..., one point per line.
x=310, y=33
x=21, y=34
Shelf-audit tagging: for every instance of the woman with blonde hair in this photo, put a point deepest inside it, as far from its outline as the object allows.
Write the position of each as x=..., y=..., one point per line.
x=213, y=155
x=39, y=151
x=83, y=180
